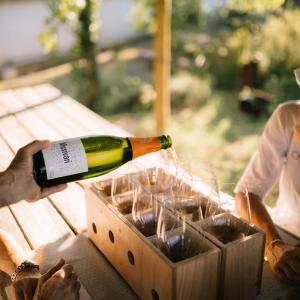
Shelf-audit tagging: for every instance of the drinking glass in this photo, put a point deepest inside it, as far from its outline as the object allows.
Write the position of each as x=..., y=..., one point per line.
x=123, y=192
x=172, y=238
x=144, y=212
x=226, y=227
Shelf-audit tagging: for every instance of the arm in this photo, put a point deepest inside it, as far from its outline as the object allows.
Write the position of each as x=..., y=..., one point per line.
x=259, y=215
x=284, y=259
x=259, y=177
x=18, y=183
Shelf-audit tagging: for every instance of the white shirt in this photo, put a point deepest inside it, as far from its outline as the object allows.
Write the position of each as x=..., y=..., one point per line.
x=278, y=159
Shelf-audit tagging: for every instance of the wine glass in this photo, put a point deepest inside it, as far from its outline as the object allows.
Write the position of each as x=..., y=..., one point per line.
x=144, y=212
x=226, y=227
x=123, y=192
x=172, y=237
x=205, y=182
x=188, y=206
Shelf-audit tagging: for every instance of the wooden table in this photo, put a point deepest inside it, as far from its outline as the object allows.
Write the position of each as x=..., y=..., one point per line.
x=55, y=226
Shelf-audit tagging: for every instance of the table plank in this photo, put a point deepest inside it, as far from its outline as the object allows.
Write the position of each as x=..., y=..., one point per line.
x=54, y=116
x=40, y=222
x=36, y=126
x=9, y=224
x=13, y=133
x=87, y=118
x=47, y=91
x=71, y=204
x=10, y=102
x=28, y=96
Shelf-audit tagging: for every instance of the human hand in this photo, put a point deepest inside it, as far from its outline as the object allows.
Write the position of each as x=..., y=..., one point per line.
x=59, y=283
x=285, y=262
x=25, y=285
x=22, y=182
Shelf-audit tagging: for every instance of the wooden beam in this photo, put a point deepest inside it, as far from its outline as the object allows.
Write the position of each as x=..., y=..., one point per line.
x=162, y=64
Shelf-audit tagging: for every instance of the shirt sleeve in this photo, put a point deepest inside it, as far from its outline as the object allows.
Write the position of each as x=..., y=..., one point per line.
x=265, y=166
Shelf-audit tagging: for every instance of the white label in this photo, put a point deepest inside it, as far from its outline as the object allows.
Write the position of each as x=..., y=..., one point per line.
x=64, y=158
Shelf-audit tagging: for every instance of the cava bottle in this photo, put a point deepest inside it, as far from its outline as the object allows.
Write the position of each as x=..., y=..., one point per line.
x=86, y=157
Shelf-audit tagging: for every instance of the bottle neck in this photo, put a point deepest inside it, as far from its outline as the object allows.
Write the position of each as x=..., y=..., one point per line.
x=142, y=146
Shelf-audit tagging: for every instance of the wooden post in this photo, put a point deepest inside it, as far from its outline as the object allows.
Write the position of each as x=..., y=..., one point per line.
x=162, y=64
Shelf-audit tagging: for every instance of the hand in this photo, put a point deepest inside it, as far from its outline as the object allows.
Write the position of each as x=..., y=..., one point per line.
x=59, y=283
x=285, y=262
x=22, y=182
x=25, y=285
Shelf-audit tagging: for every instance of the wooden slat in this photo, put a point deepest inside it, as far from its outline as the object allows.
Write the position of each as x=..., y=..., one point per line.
x=47, y=91
x=28, y=96
x=10, y=102
x=40, y=222
x=71, y=204
x=36, y=126
x=87, y=118
x=60, y=122
x=9, y=224
x=13, y=133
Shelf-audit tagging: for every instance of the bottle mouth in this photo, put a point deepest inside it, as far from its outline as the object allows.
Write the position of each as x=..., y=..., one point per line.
x=165, y=141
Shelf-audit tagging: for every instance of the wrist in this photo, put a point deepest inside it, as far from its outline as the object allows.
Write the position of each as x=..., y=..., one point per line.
x=276, y=243
x=7, y=179
x=26, y=269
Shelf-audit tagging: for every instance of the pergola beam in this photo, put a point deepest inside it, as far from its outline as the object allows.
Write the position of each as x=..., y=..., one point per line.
x=162, y=64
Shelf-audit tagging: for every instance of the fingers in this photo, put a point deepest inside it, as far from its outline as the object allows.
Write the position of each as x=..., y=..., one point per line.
x=35, y=146
x=66, y=271
x=53, y=270
x=53, y=189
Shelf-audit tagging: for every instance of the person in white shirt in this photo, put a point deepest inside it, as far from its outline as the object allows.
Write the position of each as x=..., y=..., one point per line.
x=277, y=160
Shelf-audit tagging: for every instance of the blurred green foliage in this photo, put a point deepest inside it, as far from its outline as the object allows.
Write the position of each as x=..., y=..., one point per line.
x=80, y=17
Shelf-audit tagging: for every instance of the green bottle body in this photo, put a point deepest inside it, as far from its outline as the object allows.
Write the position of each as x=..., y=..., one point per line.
x=86, y=157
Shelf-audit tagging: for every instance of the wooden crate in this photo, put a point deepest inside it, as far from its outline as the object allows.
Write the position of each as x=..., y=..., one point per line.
x=146, y=269
x=242, y=258
x=236, y=274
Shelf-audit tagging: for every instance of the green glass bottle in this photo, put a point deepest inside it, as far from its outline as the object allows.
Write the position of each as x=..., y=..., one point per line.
x=86, y=157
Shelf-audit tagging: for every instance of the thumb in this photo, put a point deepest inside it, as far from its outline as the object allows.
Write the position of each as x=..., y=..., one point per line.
x=35, y=146
x=52, y=270
x=45, y=277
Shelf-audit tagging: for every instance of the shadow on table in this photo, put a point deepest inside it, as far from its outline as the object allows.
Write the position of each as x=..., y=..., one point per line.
x=97, y=275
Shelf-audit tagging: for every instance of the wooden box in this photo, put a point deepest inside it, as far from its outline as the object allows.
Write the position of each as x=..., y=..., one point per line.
x=242, y=247
x=146, y=269
x=223, y=270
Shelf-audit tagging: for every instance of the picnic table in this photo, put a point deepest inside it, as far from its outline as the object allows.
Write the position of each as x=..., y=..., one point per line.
x=55, y=227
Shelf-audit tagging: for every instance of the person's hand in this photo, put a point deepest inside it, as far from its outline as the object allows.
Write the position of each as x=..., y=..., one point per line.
x=22, y=182
x=59, y=283
x=285, y=262
x=25, y=285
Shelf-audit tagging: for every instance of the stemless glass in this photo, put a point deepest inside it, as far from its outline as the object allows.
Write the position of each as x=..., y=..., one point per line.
x=144, y=212
x=226, y=227
x=205, y=182
x=189, y=207
x=123, y=192
x=172, y=238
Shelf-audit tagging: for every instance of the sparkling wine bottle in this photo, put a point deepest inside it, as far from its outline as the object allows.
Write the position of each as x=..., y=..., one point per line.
x=86, y=157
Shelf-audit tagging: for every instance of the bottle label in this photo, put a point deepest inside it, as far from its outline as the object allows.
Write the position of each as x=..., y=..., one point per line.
x=65, y=158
